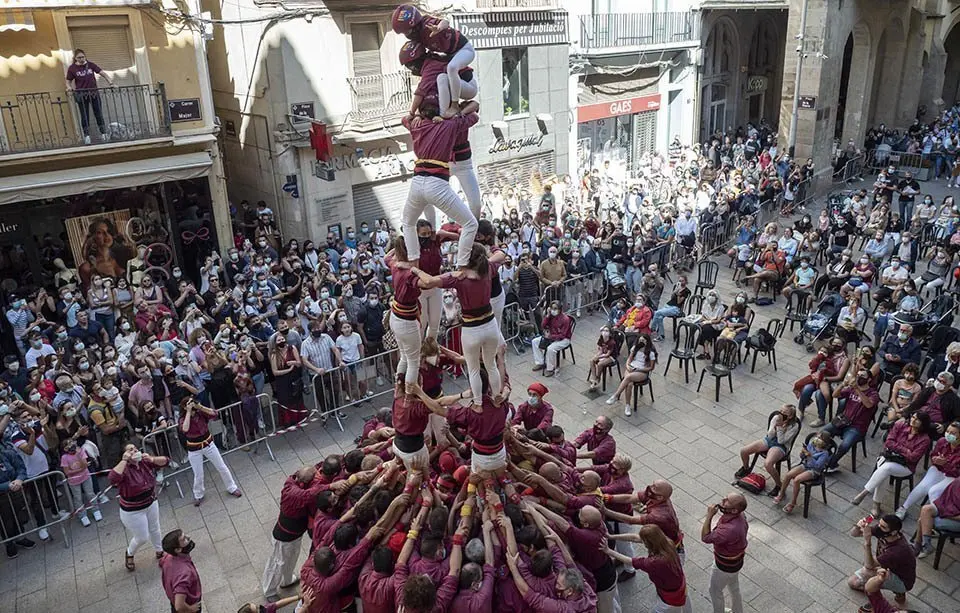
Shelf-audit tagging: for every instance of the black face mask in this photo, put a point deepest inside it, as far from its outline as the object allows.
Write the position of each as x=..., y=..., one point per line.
x=188, y=547
x=316, y=333
x=424, y=241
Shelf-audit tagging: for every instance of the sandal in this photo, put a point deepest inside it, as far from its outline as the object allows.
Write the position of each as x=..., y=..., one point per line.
x=778, y=498
x=788, y=508
x=128, y=563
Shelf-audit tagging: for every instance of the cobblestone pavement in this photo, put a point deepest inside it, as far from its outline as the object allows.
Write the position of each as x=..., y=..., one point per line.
x=793, y=564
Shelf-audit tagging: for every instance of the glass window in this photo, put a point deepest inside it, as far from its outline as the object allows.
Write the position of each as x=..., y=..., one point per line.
x=515, y=88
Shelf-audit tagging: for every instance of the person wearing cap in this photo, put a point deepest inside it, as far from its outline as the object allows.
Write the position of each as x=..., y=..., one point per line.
x=557, y=332
x=535, y=412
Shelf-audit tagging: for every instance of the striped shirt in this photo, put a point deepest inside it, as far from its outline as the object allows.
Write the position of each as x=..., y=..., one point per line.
x=318, y=351
x=19, y=319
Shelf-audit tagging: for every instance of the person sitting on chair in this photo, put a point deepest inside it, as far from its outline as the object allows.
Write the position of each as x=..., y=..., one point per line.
x=801, y=281
x=557, y=332
x=640, y=363
x=784, y=427
x=636, y=320
x=770, y=267
x=899, y=350
x=939, y=401
x=674, y=307
x=892, y=280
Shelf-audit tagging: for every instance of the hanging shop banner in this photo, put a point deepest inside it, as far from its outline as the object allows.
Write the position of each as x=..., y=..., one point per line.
x=99, y=243
x=513, y=29
x=627, y=106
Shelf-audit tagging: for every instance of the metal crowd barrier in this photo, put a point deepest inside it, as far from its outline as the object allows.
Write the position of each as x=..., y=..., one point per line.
x=852, y=169
x=877, y=159
x=351, y=384
x=36, y=504
x=233, y=430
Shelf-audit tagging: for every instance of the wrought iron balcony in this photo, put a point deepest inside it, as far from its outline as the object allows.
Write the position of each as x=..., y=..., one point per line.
x=380, y=100
x=46, y=121
x=517, y=4
x=614, y=31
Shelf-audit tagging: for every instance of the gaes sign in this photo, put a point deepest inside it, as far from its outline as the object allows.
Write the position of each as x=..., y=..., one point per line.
x=627, y=106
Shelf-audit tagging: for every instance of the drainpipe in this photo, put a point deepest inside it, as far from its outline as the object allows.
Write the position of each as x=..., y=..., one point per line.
x=792, y=143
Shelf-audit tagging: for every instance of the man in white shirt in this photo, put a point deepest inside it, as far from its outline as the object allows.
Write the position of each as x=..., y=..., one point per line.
x=686, y=227
x=320, y=357
x=38, y=350
x=893, y=278
x=788, y=244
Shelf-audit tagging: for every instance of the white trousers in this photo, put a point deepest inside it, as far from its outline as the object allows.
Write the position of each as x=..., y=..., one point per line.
x=498, y=303
x=409, y=339
x=196, y=463
x=460, y=60
x=731, y=581
x=418, y=460
x=877, y=483
x=609, y=601
x=661, y=607
x=145, y=526
x=481, y=343
x=466, y=174
x=490, y=463
x=426, y=191
x=552, y=353
x=932, y=484
x=281, y=566
x=468, y=90
x=431, y=308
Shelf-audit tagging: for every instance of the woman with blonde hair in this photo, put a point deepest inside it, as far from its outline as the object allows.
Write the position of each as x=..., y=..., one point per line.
x=662, y=564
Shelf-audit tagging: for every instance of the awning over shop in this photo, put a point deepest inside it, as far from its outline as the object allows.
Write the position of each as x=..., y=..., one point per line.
x=106, y=176
x=14, y=20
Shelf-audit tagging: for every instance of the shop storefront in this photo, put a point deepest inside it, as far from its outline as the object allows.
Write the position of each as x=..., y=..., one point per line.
x=617, y=131
x=94, y=220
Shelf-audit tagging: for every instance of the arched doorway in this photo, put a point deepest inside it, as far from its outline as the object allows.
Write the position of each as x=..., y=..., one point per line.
x=762, y=64
x=857, y=98
x=720, y=59
x=951, y=79
x=844, y=86
x=886, y=77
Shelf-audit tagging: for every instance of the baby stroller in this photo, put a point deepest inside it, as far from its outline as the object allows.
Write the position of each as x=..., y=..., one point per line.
x=936, y=313
x=821, y=322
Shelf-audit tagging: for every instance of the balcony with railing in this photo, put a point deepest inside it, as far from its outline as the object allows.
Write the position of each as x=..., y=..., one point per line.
x=517, y=4
x=615, y=32
x=47, y=121
x=380, y=100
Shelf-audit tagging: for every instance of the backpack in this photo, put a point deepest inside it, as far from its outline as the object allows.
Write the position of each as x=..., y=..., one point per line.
x=754, y=483
x=762, y=340
x=764, y=301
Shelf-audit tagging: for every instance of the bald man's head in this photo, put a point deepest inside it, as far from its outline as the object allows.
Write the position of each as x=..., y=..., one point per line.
x=662, y=489
x=590, y=517
x=590, y=481
x=551, y=472
x=734, y=502
x=306, y=474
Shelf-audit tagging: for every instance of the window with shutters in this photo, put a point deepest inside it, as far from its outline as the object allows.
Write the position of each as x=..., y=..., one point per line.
x=367, y=83
x=107, y=42
x=516, y=93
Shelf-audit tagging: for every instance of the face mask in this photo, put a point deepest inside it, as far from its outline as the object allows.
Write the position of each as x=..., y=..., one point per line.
x=351, y=234
x=4, y=409
x=136, y=457
x=712, y=299
x=844, y=258
x=125, y=327
x=940, y=386
x=533, y=400
x=67, y=297
x=13, y=367
x=36, y=344
x=903, y=336
x=79, y=347
x=324, y=295
x=177, y=274
x=552, y=254
x=605, y=334
x=864, y=261
x=951, y=438
x=35, y=397
x=70, y=412
x=740, y=300
x=316, y=333
x=84, y=365
x=804, y=265
x=290, y=312
x=252, y=300
x=895, y=265
x=448, y=299
x=554, y=312
x=373, y=301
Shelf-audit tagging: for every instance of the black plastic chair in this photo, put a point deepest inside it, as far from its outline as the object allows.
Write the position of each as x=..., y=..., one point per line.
x=763, y=454
x=775, y=328
x=707, y=273
x=693, y=305
x=725, y=359
x=638, y=390
x=563, y=352
x=941, y=541
x=685, y=348
x=897, y=482
x=819, y=481
x=797, y=309
x=619, y=337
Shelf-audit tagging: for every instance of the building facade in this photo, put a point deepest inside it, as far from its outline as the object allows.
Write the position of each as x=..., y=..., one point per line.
x=267, y=77
x=90, y=176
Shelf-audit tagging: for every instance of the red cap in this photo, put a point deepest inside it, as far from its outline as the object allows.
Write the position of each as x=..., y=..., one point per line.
x=448, y=482
x=396, y=541
x=447, y=462
x=411, y=51
x=538, y=388
x=461, y=474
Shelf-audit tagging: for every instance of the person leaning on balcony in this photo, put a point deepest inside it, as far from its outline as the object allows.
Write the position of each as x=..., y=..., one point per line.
x=82, y=79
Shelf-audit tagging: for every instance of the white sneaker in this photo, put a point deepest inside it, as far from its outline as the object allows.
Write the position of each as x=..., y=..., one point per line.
x=97, y=516
x=85, y=520
x=104, y=499
x=63, y=515
x=43, y=534
x=627, y=411
x=901, y=513
x=611, y=399
x=380, y=381
x=86, y=140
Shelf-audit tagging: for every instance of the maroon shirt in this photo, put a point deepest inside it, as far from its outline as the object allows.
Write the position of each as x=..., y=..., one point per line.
x=433, y=143
x=481, y=601
x=410, y=416
x=198, y=430
x=540, y=416
x=611, y=484
x=445, y=593
x=558, y=327
x=327, y=589
x=509, y=599
x=376, y=590
x=179, y=576
x=585, y=546
x=667, y=578
x=898, y=558
x=912, y=448
x=604, y=446
x=431, y=260
x=951, y=453
x=542, y=585
x=136, y=486
x=406, y=292
x=321, y=524
x=448, y=41
x=474, y=294
x=859, y=415
x=432, y=67
x=664, y=516
x=435, y=569
x=486, y=428
x=948, y=504
x=566, y=452
x=297, y=504
x=83, y=77
x=880, y=603
x=587, y=603
x=729, y=540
